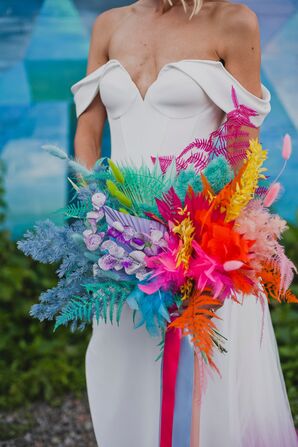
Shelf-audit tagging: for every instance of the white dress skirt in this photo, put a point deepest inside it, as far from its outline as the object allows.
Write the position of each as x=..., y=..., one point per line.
x=247, y=406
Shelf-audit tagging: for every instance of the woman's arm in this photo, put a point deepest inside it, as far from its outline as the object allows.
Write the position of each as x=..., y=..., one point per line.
x=239, y=47
x=88, y=136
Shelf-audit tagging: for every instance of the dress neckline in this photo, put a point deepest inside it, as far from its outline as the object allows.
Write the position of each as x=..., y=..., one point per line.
x=164, y=67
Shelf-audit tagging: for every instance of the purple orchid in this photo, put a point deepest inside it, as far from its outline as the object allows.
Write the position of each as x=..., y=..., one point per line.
x=98, y=200
x=93, y=217
x=154, y=243
x=93, y=240
x=117, y=258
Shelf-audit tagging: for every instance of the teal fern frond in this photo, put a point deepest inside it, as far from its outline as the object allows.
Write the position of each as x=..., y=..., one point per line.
x=111, y=296
x=142, y=185
x=103, y=301
x=142, y=188
x=79, y=309
x=73, y=211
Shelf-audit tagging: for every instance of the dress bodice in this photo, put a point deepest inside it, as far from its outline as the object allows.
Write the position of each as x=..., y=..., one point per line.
x=188, y=99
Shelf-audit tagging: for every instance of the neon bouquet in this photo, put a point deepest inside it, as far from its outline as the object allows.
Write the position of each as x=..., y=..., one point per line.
x=172, y=241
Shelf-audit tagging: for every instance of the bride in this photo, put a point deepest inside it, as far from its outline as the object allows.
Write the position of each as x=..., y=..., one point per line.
x=161, y=71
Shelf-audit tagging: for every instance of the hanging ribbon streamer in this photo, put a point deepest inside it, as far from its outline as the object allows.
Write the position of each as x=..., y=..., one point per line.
x=196, y=401
x=184, y=395
x=169, y=375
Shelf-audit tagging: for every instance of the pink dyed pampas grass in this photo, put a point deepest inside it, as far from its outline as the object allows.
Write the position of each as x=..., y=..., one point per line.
x=287, y=147
x=272, y=194
x=286, y=152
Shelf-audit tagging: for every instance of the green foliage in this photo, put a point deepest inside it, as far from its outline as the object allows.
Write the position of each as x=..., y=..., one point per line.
x=285, y=322
x=34, y=362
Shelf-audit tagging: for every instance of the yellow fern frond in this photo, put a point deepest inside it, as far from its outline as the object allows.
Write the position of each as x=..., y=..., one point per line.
x=248, y=182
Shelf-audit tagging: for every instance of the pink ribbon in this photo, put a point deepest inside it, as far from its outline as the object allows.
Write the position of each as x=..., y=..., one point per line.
x=169, y=375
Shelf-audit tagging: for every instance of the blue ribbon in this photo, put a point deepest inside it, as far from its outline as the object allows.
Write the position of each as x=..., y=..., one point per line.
x=183, y=399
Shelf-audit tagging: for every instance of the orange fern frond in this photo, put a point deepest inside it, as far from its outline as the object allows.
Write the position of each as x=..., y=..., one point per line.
x=197, y=321
x=271, y=279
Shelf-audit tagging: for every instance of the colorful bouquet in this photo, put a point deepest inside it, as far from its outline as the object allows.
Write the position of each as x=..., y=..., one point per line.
x=173, y=241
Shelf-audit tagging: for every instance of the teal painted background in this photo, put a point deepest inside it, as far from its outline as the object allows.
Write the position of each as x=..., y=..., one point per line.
x=43, y=50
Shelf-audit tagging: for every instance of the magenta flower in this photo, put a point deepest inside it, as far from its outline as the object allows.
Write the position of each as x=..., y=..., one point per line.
x=210, y=273
x=165, y=272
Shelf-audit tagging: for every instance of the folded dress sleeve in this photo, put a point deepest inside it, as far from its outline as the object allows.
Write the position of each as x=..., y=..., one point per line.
x=217, y=82
x=86, y=89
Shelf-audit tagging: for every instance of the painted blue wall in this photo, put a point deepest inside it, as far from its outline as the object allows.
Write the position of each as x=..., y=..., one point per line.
x=43, y=49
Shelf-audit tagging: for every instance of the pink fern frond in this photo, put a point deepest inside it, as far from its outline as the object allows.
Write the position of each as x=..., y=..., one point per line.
x=234, y=97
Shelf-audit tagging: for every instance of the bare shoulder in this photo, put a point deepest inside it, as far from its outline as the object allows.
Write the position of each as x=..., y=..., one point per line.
x=236, y=18
x=103, y=28
x=238, y=43
x=109, y=19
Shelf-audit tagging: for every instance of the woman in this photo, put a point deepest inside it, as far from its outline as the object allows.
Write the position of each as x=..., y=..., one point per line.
x=162, y=79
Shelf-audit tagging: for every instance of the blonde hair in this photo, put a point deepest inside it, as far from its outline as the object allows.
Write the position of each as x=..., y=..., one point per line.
x=197, y=5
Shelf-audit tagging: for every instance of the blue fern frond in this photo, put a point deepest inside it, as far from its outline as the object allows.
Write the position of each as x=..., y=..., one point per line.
x=49, y=243
x=46, y=243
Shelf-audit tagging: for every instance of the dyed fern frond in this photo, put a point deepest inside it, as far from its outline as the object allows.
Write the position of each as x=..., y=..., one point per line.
x=271, y=279
x=196, y=321
x=79, y=309
x=78, y=211
x=248, y=182
x=142, y=188
x=230, y=136
x=105, y=301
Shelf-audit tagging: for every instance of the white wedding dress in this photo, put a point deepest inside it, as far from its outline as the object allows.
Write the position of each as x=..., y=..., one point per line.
x=248, y=405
